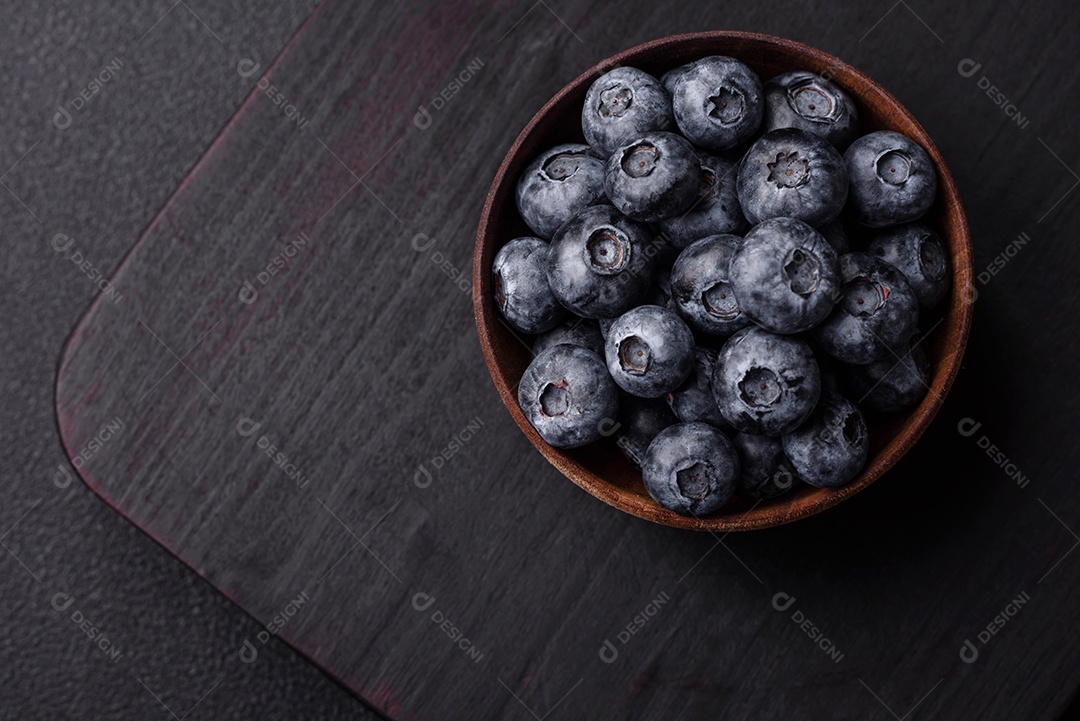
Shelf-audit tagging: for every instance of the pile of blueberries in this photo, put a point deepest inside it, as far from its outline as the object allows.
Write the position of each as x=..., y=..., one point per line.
x=692, y=281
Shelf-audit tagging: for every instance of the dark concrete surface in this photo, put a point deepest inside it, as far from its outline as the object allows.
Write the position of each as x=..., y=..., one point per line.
x=172, y=87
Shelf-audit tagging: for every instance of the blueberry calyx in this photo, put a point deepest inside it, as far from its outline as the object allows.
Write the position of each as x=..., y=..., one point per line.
x=812, y=101
x=894, y=167
x=803, y=271
x=634, y=355
x=608, y=253
x=727, y=105
x=693, y=481
x=562, y=166
x=640, y=159
x=864, y=296
x=720, y=301
x=852, y=429
x=931, y=258
x=759, y=387
x=554, y=399
x=615, y=101
x=789, y=170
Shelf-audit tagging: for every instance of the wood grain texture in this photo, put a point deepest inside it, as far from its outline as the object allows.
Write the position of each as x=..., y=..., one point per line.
x=605, y=473
x=405, y=508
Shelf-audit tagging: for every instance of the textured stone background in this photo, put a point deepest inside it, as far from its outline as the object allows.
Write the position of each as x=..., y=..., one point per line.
x=100, y=180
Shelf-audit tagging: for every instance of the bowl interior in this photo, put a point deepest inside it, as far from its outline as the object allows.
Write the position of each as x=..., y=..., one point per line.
x=601, y=468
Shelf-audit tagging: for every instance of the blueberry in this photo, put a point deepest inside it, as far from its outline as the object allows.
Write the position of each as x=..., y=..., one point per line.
x=649, y=351
x=691, y=468
x=717, y=102
x=764, y=383
x=809, y=102
x=892, y=179
x=672, y=76
x=876, y=312
x=522, y=292
x=693, y=400
x=622, y=105
x=891, y=385
x=640, y=420
x=765, y=469
x=701, y=288
x=573, y=331
x=830, y=449
x=916, y=251
x=791, y=173
x=785, y=275
x=654, y=176
x=716, y=209
x=600, y=264
x=567, y=394
x=557, y=185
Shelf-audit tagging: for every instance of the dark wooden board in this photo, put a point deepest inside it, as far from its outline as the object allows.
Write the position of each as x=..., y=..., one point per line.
x=359, y=362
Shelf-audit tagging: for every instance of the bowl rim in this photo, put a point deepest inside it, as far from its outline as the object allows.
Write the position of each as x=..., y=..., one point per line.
x=958, y=304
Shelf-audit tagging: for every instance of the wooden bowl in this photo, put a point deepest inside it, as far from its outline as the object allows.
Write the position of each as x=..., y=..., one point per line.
x=600, y=468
